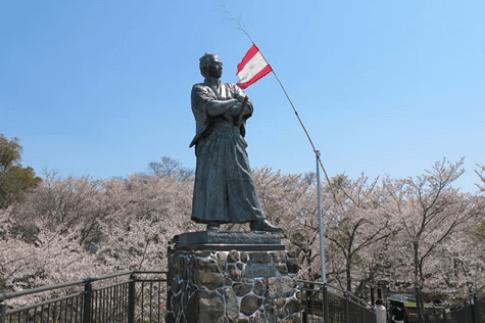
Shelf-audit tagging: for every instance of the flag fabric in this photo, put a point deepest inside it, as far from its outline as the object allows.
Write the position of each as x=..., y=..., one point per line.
x=252, y=68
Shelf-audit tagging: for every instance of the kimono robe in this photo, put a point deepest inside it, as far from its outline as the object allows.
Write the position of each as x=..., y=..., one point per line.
x=224, y=189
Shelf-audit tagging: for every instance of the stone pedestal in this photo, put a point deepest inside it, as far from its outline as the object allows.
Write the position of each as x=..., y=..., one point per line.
x=231, y=277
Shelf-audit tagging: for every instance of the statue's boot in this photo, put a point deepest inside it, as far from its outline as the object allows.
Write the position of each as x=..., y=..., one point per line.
x=263, y=225
x=213, y=226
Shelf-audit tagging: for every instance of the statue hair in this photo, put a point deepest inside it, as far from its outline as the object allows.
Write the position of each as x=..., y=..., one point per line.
x=204, y=64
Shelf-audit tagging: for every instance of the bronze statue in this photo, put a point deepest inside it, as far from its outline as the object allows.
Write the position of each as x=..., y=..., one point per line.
x=224, y=190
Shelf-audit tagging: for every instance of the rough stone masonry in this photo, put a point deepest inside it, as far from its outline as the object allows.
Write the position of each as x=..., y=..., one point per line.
x=232, y=286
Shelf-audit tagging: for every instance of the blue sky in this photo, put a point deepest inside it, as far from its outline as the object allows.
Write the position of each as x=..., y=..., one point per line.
x=102, y=88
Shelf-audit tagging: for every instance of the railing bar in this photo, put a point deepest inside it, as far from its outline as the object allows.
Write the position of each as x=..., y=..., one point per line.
x=65, y=310
x=81, y=308
x=114, y=300
x=100, y=306
x=124, y=297
x=60, y=312
x=121, y=303
x=94, y=307
x=112, y=306
x=72, y=309
x=48, y=312
x=127, y=297
x=57, y=314
x=159, y=302
x=142, y=302
x=54, y=312
x=98, y=302
x=149, y=272
x=106, y=313
x=151, y=286
x=77, y=306
x=104, y=297
x=149, y=280
x=93, y=313
x=106, y=305
x=117, y=302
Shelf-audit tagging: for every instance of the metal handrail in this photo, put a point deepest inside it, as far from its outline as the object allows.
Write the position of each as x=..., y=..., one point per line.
x=85, y=298
x=344, y=292
x=5, y=296
x=21, y=309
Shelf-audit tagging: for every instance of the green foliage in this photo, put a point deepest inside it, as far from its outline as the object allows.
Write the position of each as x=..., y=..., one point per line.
x=430, y=297
x=296, y=238
x=15, y=180
x=479, y=232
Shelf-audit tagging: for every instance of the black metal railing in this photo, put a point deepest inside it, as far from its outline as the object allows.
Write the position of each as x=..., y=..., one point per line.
x=123, y=297
x=322, y=303
x=138, y=296
x=473, y=313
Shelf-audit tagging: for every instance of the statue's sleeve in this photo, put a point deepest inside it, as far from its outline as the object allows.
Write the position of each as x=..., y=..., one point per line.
x=201, y=97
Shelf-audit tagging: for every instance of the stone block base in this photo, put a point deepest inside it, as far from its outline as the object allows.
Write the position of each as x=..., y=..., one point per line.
x=232, y=286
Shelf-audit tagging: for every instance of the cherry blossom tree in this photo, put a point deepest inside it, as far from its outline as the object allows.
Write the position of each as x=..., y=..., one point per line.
x=431, y=213
x=361, y=221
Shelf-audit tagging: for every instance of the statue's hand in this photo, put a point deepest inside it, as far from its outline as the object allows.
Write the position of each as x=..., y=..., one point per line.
x=241, y=96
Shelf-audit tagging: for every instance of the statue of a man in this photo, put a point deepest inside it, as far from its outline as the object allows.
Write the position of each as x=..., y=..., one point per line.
x=224, y=190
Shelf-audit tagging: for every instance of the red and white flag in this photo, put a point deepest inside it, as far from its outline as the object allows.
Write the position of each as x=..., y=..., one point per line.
x=252, y=68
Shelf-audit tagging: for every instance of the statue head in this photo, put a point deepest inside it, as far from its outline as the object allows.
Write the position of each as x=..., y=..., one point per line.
x=210, y=66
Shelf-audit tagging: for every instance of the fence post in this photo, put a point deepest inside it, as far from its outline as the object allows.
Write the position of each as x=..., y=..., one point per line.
x=472, y=307
x=477, y=310
x=325, y=303
x=443, y=312
x=304, y=289
x=3, y=312
x=88, y=288
x=372, y=300
x=347, y=307
x=131, y=299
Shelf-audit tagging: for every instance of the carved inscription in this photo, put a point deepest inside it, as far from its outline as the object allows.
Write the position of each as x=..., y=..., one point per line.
x=260, y=271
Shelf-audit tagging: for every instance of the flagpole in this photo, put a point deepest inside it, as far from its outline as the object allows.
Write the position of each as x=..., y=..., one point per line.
x=299, y=119
x=320, y=220
x=317, y=155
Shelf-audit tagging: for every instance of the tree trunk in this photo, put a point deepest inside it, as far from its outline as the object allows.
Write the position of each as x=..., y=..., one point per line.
x=417, y=283
x=349, y=278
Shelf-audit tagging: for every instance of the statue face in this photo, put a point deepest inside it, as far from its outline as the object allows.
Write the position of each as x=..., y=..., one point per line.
x=215, y=67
